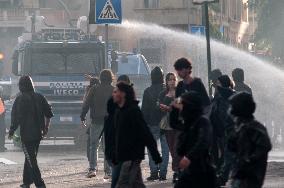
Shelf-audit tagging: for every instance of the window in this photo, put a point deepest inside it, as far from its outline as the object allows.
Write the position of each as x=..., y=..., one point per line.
x=151, y=3
x=57, y=63
x=131, y=65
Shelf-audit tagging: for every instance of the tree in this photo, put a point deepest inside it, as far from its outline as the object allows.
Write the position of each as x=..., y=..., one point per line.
x=270, y=25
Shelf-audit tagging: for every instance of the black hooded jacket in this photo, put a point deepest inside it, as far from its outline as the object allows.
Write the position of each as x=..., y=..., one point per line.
x=196, y=138
x=109, y=129
x=132, y=135
x=251, y=144
x=221, y=122
x=29, y=112
x=150, y=108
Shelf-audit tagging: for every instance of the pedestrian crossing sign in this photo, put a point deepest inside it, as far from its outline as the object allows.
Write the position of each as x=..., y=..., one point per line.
x=105, y=12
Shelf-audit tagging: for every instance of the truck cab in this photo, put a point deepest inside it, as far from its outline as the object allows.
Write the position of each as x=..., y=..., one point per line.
x=135, y=66
x=57, y=68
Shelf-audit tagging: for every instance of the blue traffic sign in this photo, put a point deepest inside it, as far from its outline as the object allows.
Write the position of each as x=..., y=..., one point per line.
x=197, y=29
x=105, y=12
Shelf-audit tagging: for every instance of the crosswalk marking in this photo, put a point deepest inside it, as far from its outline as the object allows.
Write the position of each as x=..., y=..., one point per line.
x=7, y=162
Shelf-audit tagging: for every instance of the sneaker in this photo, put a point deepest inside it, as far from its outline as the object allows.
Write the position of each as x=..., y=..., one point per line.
x=175, y=178
x=162, y=179
x=107, y=176
x=91, y=174
x=153, y=178
x=24, y=186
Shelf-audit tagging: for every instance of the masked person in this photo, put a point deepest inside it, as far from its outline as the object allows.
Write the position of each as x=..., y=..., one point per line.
x=132, y=135
x=153, y=116
x=223, y=125
x=250, y=143
x=194, y=142
x=32, y=113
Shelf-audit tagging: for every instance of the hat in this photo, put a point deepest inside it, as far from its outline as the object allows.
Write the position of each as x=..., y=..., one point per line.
x=242, y=105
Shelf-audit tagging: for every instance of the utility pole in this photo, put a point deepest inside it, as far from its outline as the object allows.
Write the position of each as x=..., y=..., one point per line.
x=208, y=46
x=106, y=42
x=207, y=26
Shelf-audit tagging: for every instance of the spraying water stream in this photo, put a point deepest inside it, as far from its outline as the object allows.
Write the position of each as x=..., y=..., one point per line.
x=267, y=81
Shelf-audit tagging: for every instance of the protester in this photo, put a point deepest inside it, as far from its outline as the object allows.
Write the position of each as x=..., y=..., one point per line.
x=184, y=69
x=109, y=133
x=239, y=78
x=2, y=122
x=194, y=142
x=166, y=98
x=131, y=136
x=250, y=143
x=153, y=116
x=215, y=74
x=96, y=101
x=31, y=112
x=94, y=81
x=222, y=125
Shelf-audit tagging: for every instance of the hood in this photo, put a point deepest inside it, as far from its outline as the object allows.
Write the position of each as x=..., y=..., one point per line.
x=157, y=76
x=225, y=92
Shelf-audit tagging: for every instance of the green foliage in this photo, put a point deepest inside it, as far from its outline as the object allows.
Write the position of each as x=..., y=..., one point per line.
x=215, y=32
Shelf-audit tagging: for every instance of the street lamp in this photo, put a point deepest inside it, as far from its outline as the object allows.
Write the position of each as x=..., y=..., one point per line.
x=205, y=3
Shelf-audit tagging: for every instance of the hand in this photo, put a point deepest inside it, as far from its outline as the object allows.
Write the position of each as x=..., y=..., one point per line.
x=184, y=163
x=10, y=137
x=83, y=124
x=45, y=131
x=88, y=77
x=165, y=108
x=177, y=105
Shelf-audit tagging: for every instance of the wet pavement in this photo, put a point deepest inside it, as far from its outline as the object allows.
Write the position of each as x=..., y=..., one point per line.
x=66, y=166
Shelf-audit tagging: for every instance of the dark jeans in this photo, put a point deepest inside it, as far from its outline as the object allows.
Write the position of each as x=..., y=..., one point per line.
x=228, y=165
x=130, y=175
x=163, y=167
x=172, y=139
x=196, y=178
x=245, y=183
x=31, y=171
x=115, y=170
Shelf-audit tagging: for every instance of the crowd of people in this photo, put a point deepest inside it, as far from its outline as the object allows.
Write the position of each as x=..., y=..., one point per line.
x=210, y=139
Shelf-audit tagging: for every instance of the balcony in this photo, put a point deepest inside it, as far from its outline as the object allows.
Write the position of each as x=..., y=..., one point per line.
x=13, y=17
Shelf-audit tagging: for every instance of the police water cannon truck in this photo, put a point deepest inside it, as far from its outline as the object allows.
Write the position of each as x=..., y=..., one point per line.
x=57, y=60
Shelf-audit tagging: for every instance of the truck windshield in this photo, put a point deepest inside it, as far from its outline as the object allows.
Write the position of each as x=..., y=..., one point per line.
x=59, y=63
x=133, y=65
